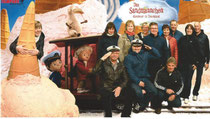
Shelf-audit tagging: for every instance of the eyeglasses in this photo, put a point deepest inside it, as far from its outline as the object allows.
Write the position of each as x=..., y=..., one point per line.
x=153, y=28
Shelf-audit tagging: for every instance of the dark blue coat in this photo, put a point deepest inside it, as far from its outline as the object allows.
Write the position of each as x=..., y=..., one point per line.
x=104, y=42
x=136, y=64
x=160, y=44
x=204, y=46
x=177, y=35
x=56, y=78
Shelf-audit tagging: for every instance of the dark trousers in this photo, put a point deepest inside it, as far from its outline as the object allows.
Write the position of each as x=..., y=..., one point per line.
x=199, y=73
x=163, y=96
x=107, y=98
x=151, y=92
x=153, y=68
x=187, y=73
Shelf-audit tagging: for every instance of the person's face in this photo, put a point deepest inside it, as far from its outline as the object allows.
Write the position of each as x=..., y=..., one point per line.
x=197, y=27
x=85, y=55
x=154, y=29
x=145, y=28
x=130, y=27
x=189, y=31
x=174, y=26
x=114, y=56
x=166, y=32
x=38, y=31
x=111, y=31
x=56, y=65
x=170, y=67
x=136, y=49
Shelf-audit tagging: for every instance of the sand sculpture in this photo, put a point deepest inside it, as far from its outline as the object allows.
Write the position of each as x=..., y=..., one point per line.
x=4, y=28
x=27, y=94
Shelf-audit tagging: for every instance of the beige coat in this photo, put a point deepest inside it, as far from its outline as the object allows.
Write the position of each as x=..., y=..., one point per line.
x=124, y=44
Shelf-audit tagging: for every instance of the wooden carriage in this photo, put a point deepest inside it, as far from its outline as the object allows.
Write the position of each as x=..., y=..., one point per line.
x=84, y=100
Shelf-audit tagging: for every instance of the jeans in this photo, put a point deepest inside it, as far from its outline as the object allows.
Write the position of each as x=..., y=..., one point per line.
x=151, y=92
x=199, y=74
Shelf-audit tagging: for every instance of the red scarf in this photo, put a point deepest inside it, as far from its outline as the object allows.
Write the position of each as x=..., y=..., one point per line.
x=130, y=33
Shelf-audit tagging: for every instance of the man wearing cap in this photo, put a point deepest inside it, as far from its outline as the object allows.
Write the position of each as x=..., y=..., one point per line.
x=136, y=63
x=113, y=81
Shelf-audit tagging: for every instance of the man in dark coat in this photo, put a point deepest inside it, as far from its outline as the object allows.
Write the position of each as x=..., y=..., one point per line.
x=158, y=42
x=204, y=48
x=174, y=32
x=114, y=80
x=136, y=63
x=169, y=83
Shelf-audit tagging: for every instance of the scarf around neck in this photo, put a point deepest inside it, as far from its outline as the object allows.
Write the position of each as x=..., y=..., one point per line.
x=130, y=33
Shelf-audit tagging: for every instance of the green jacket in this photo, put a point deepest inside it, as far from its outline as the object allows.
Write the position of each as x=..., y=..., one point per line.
x=110, y=78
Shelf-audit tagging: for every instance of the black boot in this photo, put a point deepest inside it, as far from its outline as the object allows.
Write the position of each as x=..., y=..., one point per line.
x=158, y=110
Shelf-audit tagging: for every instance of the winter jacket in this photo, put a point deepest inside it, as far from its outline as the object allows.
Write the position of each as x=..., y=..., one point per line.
x=204, y=45
x=56, y=78
x=39, y=46
x=81, y=70
x=159, y=43
x=165, y=80
x=189, y=51
x=106, y=41
x=110, y=78
x=136, y=64
x=177, y=35
x=173, y=48
x=124, y=43
x=141, y=36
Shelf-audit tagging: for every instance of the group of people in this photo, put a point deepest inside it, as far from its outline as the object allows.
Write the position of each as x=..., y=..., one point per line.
x=141, y=68
x=151, y=67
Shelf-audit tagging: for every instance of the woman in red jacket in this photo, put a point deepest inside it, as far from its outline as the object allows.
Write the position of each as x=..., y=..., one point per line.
x=171, y=42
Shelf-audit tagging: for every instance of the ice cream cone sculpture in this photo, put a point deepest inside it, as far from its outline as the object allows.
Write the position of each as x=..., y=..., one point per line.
x=22, y=64
x=4, y=28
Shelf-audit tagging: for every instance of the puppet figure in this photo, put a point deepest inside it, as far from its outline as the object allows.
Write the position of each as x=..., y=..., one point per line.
x=54, y=64
x=83, y=54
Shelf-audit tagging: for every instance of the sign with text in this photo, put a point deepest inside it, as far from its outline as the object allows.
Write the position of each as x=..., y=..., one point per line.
x=147, y=11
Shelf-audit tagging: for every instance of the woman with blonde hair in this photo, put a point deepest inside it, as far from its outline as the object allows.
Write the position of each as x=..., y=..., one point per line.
x=39, y=39
x=124, y=41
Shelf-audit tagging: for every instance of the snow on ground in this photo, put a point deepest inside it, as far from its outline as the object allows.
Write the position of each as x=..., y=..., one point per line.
x=151, y=115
